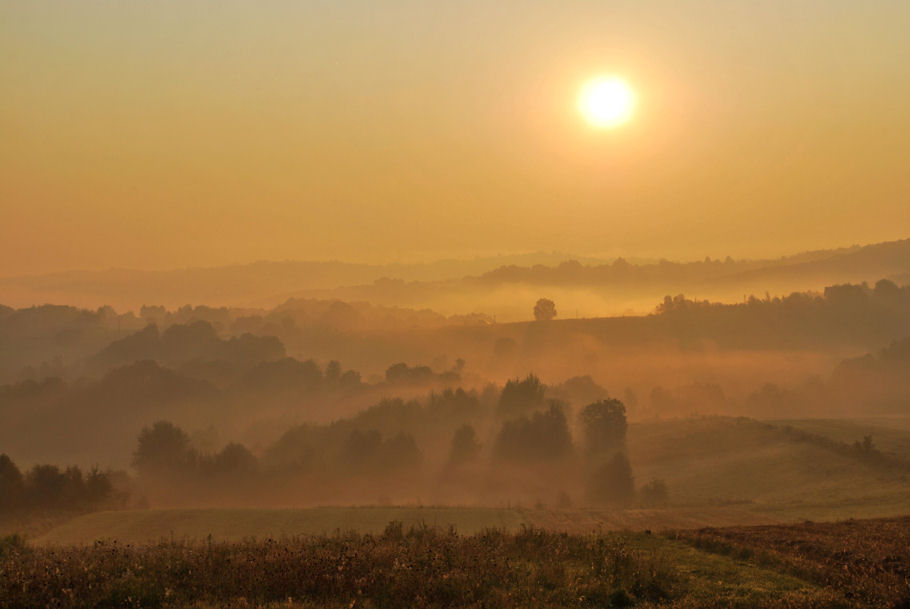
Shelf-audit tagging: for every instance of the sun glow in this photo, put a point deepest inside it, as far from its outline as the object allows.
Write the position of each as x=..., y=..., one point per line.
x=606, y=101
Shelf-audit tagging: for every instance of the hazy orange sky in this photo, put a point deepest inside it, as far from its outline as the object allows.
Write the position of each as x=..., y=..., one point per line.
x=190, y=133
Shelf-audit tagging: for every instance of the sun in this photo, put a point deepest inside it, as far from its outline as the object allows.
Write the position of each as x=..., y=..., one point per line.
x=606, y=101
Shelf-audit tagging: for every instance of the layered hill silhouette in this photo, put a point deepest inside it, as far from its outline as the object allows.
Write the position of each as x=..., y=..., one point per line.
x=505, y=286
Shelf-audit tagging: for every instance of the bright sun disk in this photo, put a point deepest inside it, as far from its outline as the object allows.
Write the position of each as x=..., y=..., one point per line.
x=606, y=101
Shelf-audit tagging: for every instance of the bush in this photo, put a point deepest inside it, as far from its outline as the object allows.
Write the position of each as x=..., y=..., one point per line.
x=612, y=483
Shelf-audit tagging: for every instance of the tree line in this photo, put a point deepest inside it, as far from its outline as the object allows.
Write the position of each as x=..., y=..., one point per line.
x=49, y=488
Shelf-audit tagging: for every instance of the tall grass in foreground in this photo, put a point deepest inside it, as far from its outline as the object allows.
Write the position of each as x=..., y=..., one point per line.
x=868, y=561
x=422, y=567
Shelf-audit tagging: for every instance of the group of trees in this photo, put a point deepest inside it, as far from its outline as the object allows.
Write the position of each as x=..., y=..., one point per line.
x=165, y=451
x=180, y=343
x=384, y=440
x=289, y=376
x=542, y=436
x=536, y=430
x=848, y=312
x=401, y=373
x=367, y=452
x=165, y=454
x=609, y=474
x=48, y=488
x=879, y=382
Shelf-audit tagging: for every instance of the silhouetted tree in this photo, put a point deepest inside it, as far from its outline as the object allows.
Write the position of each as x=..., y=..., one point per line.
x=163, y=448
x=11, y=485
x=286, y=375
x=73, y=491
x=521, y=396
x=98, y=486
x=544, y=310
x=399, y=452
x=189, y=341
x=235, y=459
x=333, y=372
x=45, y=485
x=465, y=447
x=543, y=437
x=366, y=452
x=604, y=427
x=350, y=379
x=579, y=390
x=453, y=406
x=612, y=482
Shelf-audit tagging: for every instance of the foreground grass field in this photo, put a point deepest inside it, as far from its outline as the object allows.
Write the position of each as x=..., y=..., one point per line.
x=850, y=564
x=152, y=526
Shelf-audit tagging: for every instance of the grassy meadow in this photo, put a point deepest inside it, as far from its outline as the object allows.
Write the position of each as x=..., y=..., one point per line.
x=760, y=468
x=737, y=533
x=720, y=471
x=849, y=564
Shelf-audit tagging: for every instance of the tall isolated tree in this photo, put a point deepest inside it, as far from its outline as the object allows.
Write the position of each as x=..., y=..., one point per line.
x=612, y=483
x=604, y=426
x=465, y=446
x=520, y=397
x=163, y=447
x=544, y=310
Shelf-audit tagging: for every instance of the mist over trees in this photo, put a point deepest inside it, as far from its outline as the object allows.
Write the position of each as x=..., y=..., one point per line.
x=454, y=287
x=452, y=442
x=47, y=488
x=842, y=313
x=255, y=405
x=542, y=436
x=604, y=427
x=520, y=397
x=465, y=447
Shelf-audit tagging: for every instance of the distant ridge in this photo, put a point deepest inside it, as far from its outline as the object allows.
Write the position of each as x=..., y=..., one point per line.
x=466, y=286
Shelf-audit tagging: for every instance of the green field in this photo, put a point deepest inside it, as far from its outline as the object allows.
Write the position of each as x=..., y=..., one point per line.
x=716, y=461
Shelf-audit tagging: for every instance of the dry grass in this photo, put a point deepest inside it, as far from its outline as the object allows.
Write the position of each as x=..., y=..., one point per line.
x=868, y=561
x=420, y=567
x=150, y=526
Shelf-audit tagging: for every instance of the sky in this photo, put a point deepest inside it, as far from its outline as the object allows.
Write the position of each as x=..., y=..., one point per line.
x=170, y=134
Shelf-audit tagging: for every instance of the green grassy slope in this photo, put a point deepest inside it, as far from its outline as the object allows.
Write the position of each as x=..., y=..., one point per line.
x=727, y=461
x=891, y=435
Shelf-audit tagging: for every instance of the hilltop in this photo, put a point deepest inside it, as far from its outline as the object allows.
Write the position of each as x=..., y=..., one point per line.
x=497, y=285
